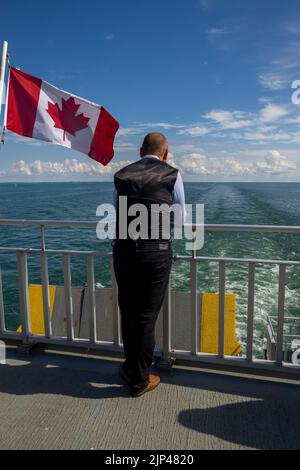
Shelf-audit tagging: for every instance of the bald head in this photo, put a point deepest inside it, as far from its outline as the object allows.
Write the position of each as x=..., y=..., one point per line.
x=155, y=143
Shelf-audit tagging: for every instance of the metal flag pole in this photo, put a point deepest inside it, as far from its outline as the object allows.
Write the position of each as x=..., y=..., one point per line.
x=2, y=76
x=2, y=70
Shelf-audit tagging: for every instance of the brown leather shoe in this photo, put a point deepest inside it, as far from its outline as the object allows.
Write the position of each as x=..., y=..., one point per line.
x=154, y=381
x=124, y=375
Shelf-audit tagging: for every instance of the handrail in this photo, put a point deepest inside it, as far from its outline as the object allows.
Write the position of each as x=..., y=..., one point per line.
x=207, y=227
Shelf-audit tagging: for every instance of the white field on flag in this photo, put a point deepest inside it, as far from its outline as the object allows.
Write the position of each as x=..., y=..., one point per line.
x=44, y=127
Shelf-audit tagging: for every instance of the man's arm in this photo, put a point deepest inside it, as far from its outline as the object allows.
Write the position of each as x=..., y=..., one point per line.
x=179, y=197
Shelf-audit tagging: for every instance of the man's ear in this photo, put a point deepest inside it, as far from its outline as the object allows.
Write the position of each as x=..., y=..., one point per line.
x=165, y=155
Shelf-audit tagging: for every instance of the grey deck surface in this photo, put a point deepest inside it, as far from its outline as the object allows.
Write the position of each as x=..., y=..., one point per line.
x=51, y=401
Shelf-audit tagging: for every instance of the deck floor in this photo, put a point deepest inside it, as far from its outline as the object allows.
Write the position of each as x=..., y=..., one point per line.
x=55, y=401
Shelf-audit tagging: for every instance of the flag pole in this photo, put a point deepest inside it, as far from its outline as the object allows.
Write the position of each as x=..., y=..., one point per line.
x=2, y=70
x=2, y=77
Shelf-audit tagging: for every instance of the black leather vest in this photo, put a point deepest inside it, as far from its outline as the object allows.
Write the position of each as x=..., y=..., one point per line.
x=148, y=181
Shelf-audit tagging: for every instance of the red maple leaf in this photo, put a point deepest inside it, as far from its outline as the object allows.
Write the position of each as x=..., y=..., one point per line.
x=65, y=118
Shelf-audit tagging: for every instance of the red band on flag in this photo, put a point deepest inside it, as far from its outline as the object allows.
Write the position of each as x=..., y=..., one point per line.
x=102, y=149
x=23, y=98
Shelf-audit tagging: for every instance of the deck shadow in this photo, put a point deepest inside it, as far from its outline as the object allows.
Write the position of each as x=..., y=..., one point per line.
x=263, y=424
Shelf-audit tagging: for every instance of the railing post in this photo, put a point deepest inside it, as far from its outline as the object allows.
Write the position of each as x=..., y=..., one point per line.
x=23, y=294
x=2, y=314
x=280, y=314
x=166, y=356
x=194, y=306
x=91, y=298
x=250, y=311
x=68, y=296
x=43, y=240
x=221, y=307
x=46, y=297
x=115, y=308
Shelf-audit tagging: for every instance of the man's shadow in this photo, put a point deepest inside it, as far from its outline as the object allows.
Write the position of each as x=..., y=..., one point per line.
x=254, y=424
x=260, y=414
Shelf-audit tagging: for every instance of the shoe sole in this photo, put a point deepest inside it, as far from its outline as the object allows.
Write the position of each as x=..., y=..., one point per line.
x=145, y=390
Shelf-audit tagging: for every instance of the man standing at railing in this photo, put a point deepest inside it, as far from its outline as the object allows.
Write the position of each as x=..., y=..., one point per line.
x=142, y=262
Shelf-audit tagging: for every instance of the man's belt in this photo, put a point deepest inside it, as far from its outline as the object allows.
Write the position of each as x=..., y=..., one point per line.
x=159, y=244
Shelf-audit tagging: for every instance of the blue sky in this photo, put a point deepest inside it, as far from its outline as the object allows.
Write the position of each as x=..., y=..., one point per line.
x=214, y=75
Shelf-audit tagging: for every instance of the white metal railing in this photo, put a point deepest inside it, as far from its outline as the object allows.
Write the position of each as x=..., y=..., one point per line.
x=167, y=352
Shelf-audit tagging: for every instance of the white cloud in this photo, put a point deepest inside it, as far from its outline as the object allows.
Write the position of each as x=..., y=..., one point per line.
x=162, y=125
x=273, y=80
x=278, y=136
x=142, y=127
x=279, y=71
x=124, y=131
x=272, y=163
x=195, y=131
x=194, y=164
x=275, y=163
x=217, y=31
x=67, y=167
x=125, y=147
x=272, y=112
x=247, y=164
x=229, y=119
x=109, y=37
x=220, y=37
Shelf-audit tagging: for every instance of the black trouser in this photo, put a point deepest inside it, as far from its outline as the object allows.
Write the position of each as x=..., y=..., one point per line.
x=142, y=271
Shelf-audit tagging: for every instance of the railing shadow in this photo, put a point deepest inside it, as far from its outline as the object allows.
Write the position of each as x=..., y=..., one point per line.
x=62, y=375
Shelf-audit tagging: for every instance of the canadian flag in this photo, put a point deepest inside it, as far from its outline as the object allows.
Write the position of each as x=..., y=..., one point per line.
x=39, y=110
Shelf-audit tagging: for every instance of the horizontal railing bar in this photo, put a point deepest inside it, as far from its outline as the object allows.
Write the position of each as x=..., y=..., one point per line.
x=64, y=340
x=207, y=227
x=77, y=342
x=261, y=364
x=50, y=223
x=236, y=260
x=291, y=336
x=11, y=335
x=285, y=318
x=199, y=358
x=249, y=228
x=13, y=249
x=175, y=257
